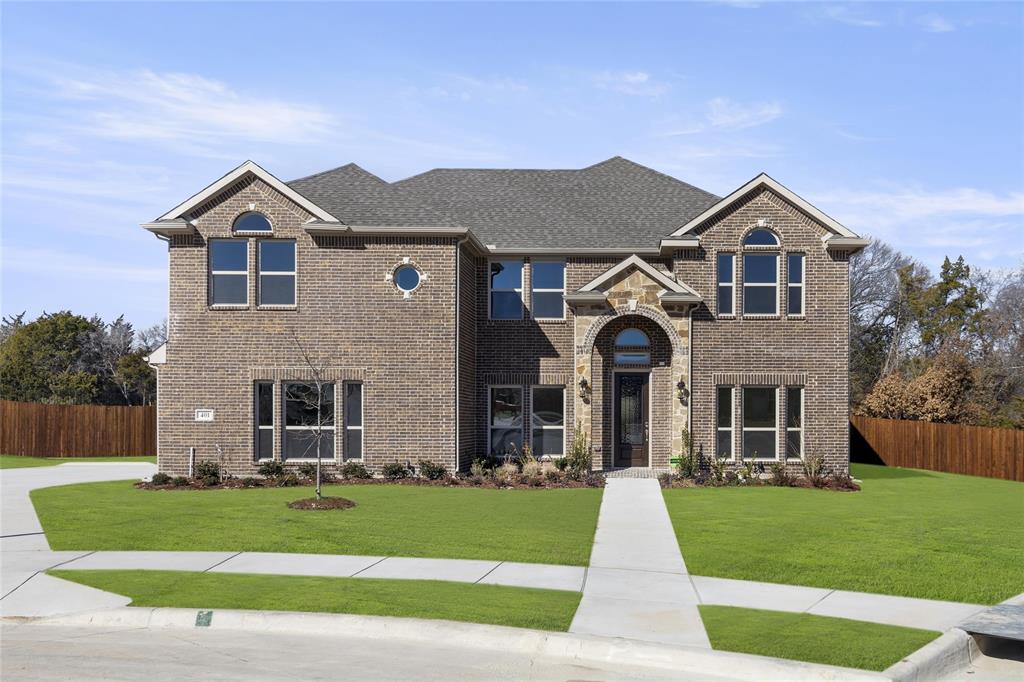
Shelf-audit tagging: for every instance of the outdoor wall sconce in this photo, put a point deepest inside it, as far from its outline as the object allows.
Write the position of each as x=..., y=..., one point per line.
x=681, y=391
x=584, y=388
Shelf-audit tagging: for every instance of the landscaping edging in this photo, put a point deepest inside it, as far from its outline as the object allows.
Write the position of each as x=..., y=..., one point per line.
x=583, y=648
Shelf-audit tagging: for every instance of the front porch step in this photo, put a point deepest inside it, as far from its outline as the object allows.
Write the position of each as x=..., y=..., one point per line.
x=636, y=472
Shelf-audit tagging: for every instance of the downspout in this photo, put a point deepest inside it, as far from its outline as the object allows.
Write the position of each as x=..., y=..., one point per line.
x=458, y=319
x=156, y=370
x=689, y=375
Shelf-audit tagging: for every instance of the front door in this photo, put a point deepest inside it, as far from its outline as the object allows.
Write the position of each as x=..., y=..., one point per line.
x=632, y=408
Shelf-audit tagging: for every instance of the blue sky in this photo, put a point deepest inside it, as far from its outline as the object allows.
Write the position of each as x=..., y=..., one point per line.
x=903, y=121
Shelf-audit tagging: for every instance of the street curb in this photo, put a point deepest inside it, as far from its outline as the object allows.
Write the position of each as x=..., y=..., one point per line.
x=949, y=653
x=679, y=660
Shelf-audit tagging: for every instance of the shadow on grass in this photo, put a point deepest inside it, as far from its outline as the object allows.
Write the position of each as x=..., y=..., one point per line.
x=878, y=472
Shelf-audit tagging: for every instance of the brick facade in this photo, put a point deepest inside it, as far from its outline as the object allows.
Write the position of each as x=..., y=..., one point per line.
x=414, y=355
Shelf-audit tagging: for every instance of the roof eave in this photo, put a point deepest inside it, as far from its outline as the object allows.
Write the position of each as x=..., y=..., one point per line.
x=169, y=228
x=586, y=297
x=849, y=244
x=670, y=244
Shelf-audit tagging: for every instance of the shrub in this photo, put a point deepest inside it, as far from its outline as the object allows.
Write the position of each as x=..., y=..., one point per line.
x=716, y=474
x=843, y=481
x=579, y=456
x=271, y=469
x=354, y=470
x=207, y=472
x=288, y=480
x=689, y=463
x=665, y=480
x=179, y=481
x=506, y=474
x=161, y=478
x=487, y=463
x=532, y=468
x=553, y=476
x=561, y=463
x=594, y=479
x=477, y=469
x=780, y=475
x=432, y=471
x=308, y=470
x=814, y=470
x=394, y=471
x=251, y=482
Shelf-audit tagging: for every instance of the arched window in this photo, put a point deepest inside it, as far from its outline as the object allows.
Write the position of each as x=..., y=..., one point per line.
x=761, y=237
x=632, y=347
x=252, y=221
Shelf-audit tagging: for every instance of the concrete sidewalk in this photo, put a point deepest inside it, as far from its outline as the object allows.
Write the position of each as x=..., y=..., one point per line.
x=637, y=586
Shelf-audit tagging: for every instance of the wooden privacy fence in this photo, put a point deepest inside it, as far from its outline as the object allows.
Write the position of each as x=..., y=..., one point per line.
x=955, y=448
x=38, y=430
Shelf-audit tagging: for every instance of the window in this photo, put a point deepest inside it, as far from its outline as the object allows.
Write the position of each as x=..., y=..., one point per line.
x=632, y=347
x=407, y=278
x=252, y=222
x=548, y=421
x=277, y=272
x=505, y=412
x=760, y=284
x=795, y=277
x=723, y=443
x=759, y=423
x=303, y=418
x=548, y=290
x=726, y=283
x=506, y=290
x=761, y=237
x=264, y=404
x=229, y=272
x=795, y=422
x=353, y=421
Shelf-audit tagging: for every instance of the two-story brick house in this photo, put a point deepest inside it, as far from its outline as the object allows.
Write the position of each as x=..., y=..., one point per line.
x=462, y=312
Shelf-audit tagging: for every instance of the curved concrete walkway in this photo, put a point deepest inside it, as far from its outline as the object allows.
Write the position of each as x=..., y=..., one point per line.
x=637, y=586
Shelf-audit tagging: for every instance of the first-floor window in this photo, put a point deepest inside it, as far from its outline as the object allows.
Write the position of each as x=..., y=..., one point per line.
x=308, y=421
x=759, y=422
x=795, y=422
x=723, y=443
x=506, y=420
x=548, y=421
x=264, y=404
x=353, y=421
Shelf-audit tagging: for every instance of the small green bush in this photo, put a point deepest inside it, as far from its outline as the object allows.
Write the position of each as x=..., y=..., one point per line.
x=287, y=481
x=308, y=470
x=251, y=482
x=161, y=478
x=780, y=475
x=561, y=463
x=271, y=469
x=394, y=471
x=354, y=470
x=179, y=481
x=207, y=472
x=432, y=471
x=579, y=457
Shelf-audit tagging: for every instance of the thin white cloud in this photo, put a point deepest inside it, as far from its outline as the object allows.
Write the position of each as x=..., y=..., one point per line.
x=34, y=261
x=934, y=23
x=888, y=208
x=726, y=114
x=843, y=14
x=630, y=83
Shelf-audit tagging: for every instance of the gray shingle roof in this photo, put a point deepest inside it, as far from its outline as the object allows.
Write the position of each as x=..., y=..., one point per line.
x=613, y=204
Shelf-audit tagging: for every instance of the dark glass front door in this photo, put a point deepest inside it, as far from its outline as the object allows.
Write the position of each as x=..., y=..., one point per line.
x=632, y=411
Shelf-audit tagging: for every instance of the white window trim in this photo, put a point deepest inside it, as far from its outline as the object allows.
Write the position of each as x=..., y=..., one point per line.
x=227, y=272
x=256, y=420
x=293, y=273
x=799, y=429
x=775, y=430
x=732, y=423
x=546, y=291
x=731, y=284
x=490, y=421
x=549, y=428
x=491, y=290
x=348, y=427
x=790, y=285
x=285, y=428
x=761, y=284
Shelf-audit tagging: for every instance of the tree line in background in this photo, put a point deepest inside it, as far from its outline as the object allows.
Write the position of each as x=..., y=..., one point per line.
x=943, y=349
x=65, y=358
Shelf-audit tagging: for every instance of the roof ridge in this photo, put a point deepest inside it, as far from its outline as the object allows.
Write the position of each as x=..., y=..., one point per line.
x=351, y=164
x=652, y=171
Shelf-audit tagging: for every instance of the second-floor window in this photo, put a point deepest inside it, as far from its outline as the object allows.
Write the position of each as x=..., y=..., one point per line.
x=760, y=284
x=726, y=283
x=795, y=289
x=229, y=272
x=548, y=289
x=505, y=284
x=276, y=267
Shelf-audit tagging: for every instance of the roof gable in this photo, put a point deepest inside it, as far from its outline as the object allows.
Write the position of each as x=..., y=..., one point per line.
x=637, y=263
x=249, y=167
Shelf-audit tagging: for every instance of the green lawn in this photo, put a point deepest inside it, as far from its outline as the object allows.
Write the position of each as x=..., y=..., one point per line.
x=16, y=462
x=494, y=604
x=816, y=639
x=538, y=526
x=908, y=532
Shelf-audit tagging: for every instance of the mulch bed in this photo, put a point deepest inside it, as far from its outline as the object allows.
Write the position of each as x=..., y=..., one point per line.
x=322, y=503
x=593, y=481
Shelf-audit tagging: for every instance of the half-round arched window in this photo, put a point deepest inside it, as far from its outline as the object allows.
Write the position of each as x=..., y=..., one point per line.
x=632, y=347
x=252, y=221
x=761, y=237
